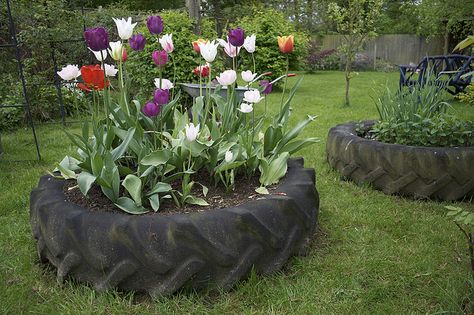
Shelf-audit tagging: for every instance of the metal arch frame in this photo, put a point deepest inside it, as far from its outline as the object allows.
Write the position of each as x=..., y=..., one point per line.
x=26, y=105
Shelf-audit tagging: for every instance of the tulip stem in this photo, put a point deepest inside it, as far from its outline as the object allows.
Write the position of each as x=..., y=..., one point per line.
x=286, y=80
x=174, y=74
x=106, y=90
x=123, y=93
x=254, y=67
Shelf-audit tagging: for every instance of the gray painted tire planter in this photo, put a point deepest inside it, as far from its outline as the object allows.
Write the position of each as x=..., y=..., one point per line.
x=419, y=172
x=161, y=254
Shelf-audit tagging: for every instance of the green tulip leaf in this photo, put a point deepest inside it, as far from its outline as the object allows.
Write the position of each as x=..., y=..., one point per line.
x=85, y=181
x=133, y=185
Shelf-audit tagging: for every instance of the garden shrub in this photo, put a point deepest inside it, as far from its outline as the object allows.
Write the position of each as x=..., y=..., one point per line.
x=317, y=59
x=439, y=131
x=53, y=20
x=178, y=23
x=418, y=116
x=468, y=95
x=268, y=23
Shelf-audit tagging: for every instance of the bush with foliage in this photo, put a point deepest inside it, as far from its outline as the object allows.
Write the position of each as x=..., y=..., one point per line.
x=438, y=131
x=185, y=59
x=468, y=95
x=268, y=24
x=418, y=116
x=38, y=34
x=154, y=148
x=317, y=59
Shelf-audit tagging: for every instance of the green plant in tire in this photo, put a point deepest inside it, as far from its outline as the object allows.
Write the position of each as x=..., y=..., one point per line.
x=142, y=152
x=419, y=116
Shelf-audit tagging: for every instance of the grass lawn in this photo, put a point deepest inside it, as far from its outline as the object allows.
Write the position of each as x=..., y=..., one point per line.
x=373, y=254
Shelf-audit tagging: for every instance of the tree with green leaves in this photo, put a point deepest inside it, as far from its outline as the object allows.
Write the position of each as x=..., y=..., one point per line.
x=355, y=20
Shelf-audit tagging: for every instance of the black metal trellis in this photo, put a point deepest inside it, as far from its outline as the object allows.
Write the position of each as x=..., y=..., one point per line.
x=57, y=80
x=26, y=105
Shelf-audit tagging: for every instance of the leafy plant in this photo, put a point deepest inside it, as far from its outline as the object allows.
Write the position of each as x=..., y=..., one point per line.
x=468, y=95
x=438, y=131
x=418, y=116
x=464, y=220
x=318, y=59
x=267, y=24
x=141, y=151
x=356, y=21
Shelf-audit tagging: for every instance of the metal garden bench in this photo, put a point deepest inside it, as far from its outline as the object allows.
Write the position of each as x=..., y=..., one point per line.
x=449, y=70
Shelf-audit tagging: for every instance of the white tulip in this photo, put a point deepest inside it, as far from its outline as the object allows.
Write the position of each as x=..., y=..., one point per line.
x=69, y=72
x=245, y=108
x=124, y=27
x=165, y=84
x=248, y=76
x=252, y=96
x=116, y=50
x=110, y=70
x=249, y=43
x=227, y=77
x=100, y=56
x=166, y=42
x=229, y=49
x=229, y=156
x=191, y=131
x=208, y=50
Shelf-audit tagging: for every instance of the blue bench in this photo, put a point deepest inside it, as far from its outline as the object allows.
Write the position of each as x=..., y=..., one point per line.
x=449, y=68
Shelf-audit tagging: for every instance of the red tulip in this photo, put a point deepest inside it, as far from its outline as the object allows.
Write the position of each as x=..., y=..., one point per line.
x=202, y=71
x=93, y=76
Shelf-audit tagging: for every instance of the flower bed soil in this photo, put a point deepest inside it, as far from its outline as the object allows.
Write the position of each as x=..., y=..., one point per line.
x=217, y=197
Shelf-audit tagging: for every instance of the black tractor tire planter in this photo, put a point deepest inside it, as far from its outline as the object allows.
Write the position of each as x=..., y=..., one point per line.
x=418, y=172
x=159, y=254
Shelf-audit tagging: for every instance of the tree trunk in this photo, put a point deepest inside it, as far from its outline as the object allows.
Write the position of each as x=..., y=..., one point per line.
x=194, y=9
x=347, y=73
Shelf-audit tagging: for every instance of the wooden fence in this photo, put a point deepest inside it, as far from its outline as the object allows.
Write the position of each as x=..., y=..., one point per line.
x=396, y=48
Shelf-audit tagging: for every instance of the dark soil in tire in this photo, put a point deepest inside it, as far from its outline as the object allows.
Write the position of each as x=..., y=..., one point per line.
x=419, y=172
x=161, y=254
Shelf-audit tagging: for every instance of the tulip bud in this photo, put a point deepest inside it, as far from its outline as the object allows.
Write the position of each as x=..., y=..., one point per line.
x=124, y=27
x=160, y=57
x=162, y=96
x=97, y=38
x=196, y=44
x=227, y=77
x=155, y=24
x=267, y=86
x=286, y=44
x=166, y=42
x=151, y=109
x=236, y=37
x=137, y=42
x=191, y=132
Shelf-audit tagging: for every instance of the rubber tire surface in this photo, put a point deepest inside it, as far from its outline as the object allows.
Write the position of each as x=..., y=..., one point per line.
x=419, y=172
x=161, y=254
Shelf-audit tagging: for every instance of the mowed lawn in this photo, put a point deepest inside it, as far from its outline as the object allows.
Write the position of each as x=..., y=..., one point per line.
x=373, y=254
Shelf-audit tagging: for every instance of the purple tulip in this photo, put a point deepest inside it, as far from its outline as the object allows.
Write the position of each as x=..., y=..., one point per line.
x=267, y=86
x=137, y=42
x=155, y=24
x=160, y=57
x=151, y=109
x=236, y=36
x=96, y=38
x=162, y=96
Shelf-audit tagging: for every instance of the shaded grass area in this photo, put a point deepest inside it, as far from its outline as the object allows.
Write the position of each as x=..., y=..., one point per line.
x=373, y=253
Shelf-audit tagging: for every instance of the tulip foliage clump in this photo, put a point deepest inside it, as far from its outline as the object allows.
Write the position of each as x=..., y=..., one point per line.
x=142, y=152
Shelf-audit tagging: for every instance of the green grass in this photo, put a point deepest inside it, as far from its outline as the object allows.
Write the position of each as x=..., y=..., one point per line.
x=374, y=254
